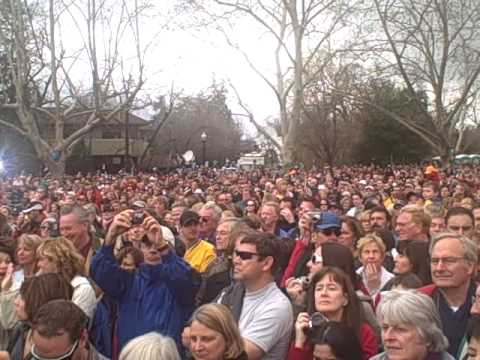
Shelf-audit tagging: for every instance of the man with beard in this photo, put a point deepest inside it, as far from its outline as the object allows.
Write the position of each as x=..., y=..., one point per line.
x=453, y=261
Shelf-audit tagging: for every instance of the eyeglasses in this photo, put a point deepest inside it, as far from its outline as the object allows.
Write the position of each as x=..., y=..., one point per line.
x=245, y=255
x=316, y=259
x=451, y=260
x=66, y=356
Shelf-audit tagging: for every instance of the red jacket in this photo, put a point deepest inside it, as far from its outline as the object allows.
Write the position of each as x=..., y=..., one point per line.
x=296, y=253
x=368, y=343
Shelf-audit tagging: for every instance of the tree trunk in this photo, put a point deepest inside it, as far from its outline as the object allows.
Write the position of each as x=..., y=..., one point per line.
x=56, y=169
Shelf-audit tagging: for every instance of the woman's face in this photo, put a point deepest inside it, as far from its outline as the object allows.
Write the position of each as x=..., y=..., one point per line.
x=371, y=254
x=402, y=264
x=25, y=254
x=169, y=219
x=315, y=263
x=323, y=352
x=5, y=260
x=20, y=308
x=367, y=227
x=347, y=237
x=205, y=343
x=330, y=298
x=46, y=265
x=403, y=342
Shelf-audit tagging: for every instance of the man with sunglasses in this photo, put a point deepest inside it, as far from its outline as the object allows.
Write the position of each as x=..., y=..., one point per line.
x=326, y=228
x=263, y=312
x=59, y=332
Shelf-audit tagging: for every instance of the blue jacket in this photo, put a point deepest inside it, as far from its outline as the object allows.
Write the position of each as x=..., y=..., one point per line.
x=154, y=298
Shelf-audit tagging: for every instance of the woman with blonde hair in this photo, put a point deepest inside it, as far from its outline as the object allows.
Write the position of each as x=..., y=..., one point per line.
x=60, y=256
x=25, y=254
x=371, y=253
x=214, y=334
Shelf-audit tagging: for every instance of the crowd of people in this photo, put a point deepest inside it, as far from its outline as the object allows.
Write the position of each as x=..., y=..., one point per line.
x=357, y=262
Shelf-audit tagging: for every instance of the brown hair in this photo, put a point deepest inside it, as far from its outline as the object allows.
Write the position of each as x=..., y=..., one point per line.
x=59, y=316
x=219, y=318
x=353, y=313
x=38, y=290
x=63, y=253
x=137, y=255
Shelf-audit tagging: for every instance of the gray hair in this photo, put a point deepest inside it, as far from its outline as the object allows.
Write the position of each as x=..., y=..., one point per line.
x=151, y=346
x=416, y=309
x=77, y=210
x=217, y=210
x=470, y=248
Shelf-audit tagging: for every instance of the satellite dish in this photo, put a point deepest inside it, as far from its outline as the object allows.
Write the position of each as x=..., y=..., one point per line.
x=188, y=156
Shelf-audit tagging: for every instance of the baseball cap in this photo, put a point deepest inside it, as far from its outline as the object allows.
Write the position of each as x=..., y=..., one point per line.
x=189, y=217
x=326, y=220
x=34, y=206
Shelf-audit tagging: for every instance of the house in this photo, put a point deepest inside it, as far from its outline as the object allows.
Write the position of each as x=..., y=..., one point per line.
x=105, y=146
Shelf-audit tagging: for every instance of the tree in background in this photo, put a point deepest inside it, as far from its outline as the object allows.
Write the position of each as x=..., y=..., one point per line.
x=43, y=94
x=432, y=48
x=381, y=138
x=189, y=118
x=299, y=30
x=330, y=121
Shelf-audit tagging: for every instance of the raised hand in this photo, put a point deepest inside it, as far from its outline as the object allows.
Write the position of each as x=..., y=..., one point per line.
x=300, y=326
x=120, y=224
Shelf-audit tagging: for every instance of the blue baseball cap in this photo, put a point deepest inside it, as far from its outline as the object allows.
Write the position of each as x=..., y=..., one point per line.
x=326, y=220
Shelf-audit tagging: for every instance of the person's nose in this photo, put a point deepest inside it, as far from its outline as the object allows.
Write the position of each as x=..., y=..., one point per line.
x=388, y=334
x=197, y=345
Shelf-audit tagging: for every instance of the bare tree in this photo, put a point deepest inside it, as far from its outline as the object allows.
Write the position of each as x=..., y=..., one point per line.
x=299, y=30
x=433, y=46
x=62, y=93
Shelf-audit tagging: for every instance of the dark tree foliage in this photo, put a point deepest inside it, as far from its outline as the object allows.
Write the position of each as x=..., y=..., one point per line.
x=383, y=139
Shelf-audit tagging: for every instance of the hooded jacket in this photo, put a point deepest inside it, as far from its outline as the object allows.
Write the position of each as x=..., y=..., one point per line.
x=154, y=298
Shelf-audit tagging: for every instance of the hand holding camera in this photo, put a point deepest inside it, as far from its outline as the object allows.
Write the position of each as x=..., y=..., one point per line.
x=304, y=324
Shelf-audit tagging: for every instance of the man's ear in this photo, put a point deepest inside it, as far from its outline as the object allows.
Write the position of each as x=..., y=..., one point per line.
x=268, y=263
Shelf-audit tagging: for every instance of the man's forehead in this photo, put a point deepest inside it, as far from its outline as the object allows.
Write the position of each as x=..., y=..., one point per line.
x=448, y=244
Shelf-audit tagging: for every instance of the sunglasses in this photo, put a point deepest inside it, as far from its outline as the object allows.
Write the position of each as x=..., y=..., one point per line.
x=316, y=259
x=204, y=219
x=245, y=255
x=66, y=356
x=328, y=232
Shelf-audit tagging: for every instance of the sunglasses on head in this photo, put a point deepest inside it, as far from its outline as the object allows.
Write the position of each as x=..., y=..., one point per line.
x=245, y=255
x=316, y=259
